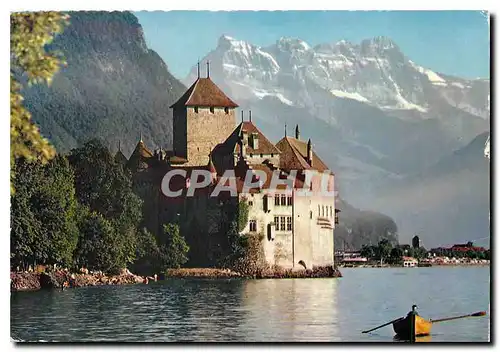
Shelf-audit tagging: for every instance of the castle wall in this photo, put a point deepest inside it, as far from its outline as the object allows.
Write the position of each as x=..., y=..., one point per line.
x=179, y=130
x=277, y=244
x=314, y=220
x=205, y=130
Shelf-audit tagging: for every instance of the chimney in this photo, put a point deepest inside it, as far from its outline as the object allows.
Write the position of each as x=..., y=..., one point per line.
x=244, y=137
x=297, y=132
x=309, y=152
x=208, y=69
x=241, y=115
x=255, y=140
x=250, y=115
x=243, y=149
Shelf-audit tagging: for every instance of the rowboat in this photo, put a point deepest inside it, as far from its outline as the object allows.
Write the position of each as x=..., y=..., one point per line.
x=412, y=326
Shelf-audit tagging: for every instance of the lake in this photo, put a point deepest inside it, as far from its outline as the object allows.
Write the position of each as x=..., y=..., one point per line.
x=285, y=310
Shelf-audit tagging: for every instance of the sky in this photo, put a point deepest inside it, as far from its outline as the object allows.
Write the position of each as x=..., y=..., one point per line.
x=450, y=42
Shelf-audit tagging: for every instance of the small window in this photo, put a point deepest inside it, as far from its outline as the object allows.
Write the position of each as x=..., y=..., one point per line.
x=310, y=214
x=282, y=223
x=212, y=109
x=331, y=211
x=289, y=223
x=226, y=110
x=272, y=155
x=262, y=155
x=290, y=201
x=319, y=210
x=196, y=109
x=277, y=199
x=250, y=203
x=323, y=210
x=251, y=155
x=253, y=225
x=276, y=223
x=283, y=199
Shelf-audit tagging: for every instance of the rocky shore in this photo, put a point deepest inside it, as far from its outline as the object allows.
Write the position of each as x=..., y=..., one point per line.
x=29, y=281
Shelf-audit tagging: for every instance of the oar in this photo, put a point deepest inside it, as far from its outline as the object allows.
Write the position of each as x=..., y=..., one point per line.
x=477, y=314
x=381, y=326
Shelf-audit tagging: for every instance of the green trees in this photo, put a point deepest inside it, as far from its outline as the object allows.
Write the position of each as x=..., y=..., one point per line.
x=44, y=228
x=172, y=247
x=97, y=246
x=105, y=187
x=396, y=255
x=81, y=211
x=30, y=33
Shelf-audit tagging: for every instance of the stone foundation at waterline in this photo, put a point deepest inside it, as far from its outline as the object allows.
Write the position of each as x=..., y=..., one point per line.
x=273, y=273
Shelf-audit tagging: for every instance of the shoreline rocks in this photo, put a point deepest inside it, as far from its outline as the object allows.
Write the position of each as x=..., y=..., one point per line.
x=31, y=281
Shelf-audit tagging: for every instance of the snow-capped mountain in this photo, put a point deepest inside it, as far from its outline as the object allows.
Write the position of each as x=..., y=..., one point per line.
x=374, y=72
x=372, y=113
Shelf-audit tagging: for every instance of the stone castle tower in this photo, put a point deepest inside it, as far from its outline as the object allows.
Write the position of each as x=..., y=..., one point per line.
x=202, y=118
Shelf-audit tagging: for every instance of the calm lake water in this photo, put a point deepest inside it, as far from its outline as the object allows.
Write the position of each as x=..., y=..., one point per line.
x=334, y=310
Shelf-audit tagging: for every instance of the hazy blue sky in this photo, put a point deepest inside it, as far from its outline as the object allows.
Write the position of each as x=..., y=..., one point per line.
x=451, y=42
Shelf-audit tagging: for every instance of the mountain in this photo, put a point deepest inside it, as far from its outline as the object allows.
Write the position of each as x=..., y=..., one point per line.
x=446, y=203
x=376, y=117
x=367, y=107
x=362, y=227
x=113, y=87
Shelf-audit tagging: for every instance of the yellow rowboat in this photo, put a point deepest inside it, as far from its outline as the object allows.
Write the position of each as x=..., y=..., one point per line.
x=414, y=328
x=411, y=327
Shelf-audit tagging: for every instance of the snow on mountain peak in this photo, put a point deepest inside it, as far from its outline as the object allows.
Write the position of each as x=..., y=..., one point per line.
x=374, y=72
x=292, y=44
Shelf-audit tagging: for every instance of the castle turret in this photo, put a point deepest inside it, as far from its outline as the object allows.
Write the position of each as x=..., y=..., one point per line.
x=309, y=153
x=297, y=132
x=203, y=116
x=119, y=157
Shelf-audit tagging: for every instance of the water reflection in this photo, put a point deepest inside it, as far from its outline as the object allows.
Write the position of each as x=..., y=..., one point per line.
x=418, y=339
x=291, y=310
x=258, y=310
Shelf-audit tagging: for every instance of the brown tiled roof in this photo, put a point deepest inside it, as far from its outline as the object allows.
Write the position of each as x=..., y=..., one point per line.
x=177, y=160
x=204, y=92
x=294, y=156
x=231, y=144
x=140, y=155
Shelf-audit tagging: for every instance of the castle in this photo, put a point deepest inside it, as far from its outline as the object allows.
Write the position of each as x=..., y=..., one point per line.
x=295, y=224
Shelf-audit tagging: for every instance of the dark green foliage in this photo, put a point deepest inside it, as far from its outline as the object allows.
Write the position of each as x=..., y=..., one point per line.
x=97, y=247
x=147, y=254
x=384, y=249
x=113, y=87
x=106, y=188
x=243, y=209
x=44, y=228
x=173, y=247
x=396, y=255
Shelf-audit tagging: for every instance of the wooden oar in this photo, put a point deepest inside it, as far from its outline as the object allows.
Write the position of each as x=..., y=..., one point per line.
x=477, y=314
x=381, y=326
